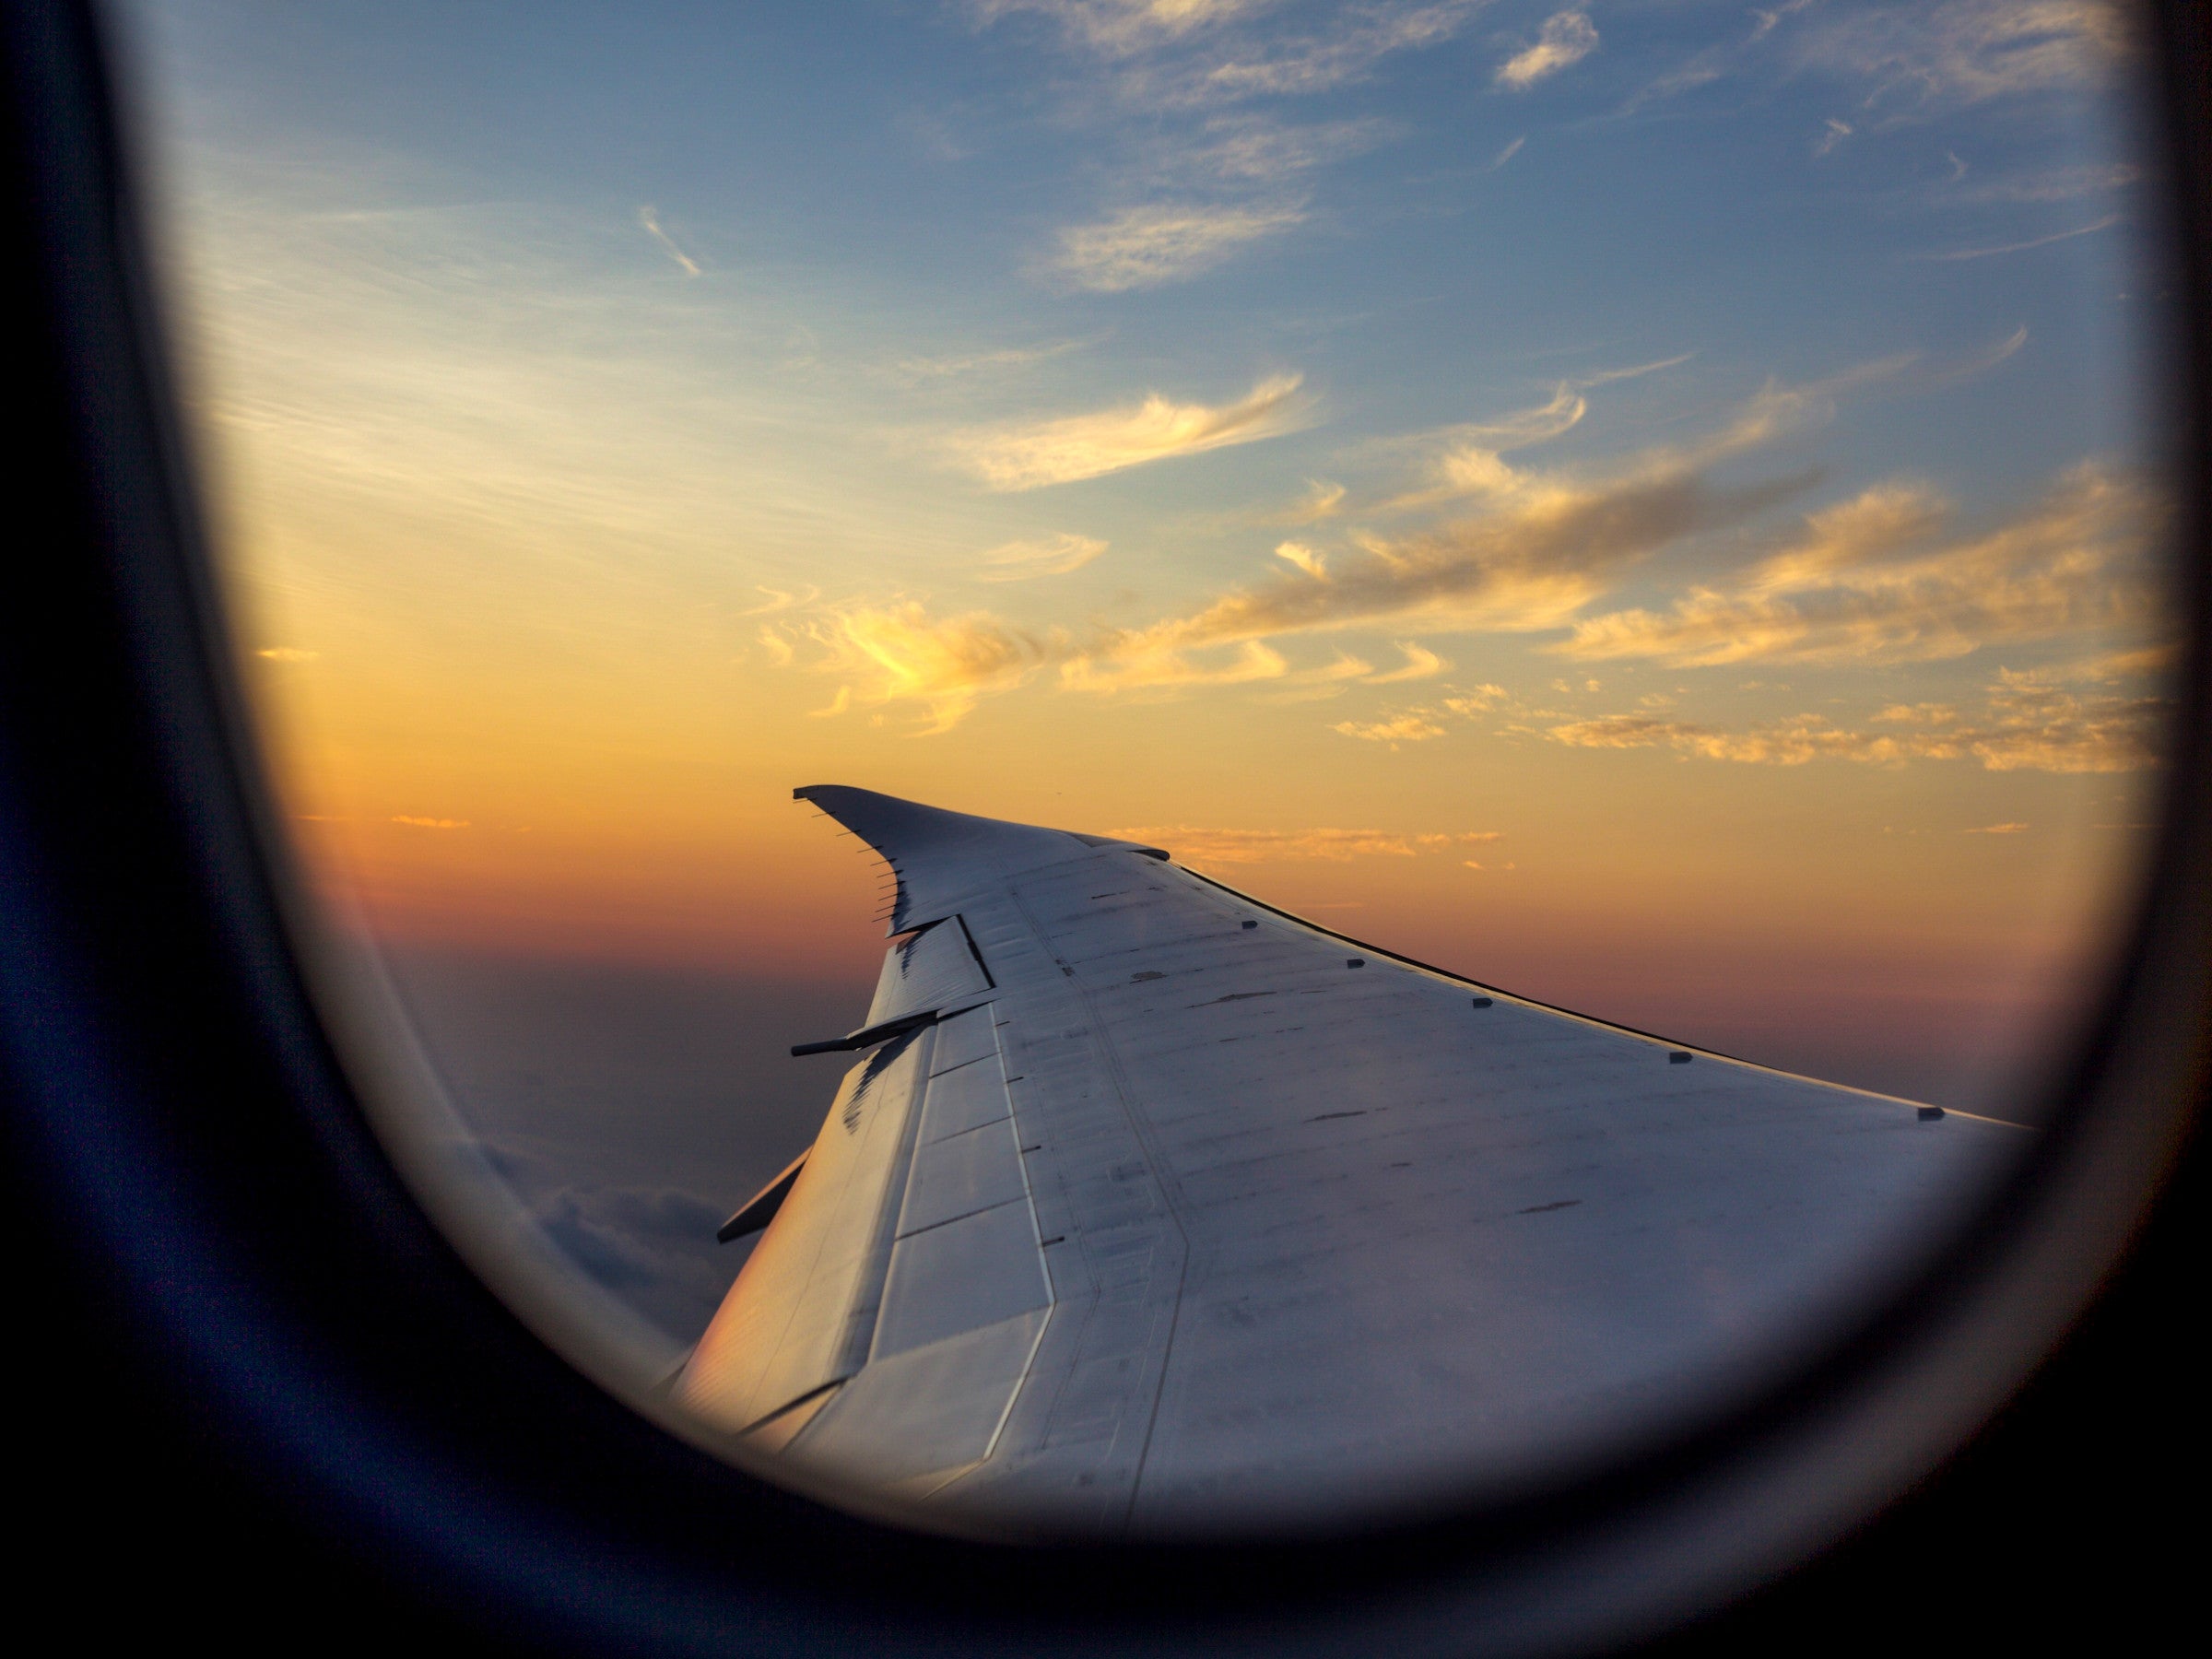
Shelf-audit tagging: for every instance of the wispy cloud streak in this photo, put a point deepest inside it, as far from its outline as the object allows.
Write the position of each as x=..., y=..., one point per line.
x=1145, y=247
x=1052, y=556
x=1166, y=54
x=650, y=221
x=2106, y=223
x=1030, y=457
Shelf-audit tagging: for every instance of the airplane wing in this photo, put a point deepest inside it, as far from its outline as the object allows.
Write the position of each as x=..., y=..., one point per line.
x=1149, y=1210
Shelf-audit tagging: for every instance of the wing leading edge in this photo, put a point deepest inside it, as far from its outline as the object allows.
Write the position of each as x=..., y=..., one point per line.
x=1151, y=1208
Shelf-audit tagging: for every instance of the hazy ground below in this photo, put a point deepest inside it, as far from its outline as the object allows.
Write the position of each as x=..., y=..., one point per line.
x=633, y=1109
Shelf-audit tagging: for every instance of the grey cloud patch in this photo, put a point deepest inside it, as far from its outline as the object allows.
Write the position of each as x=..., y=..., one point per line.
x=629, y=1238
x=1029, y=455
x=1879, y=578
x=1876, y=580
x=653, y=1247
x=1526, y=565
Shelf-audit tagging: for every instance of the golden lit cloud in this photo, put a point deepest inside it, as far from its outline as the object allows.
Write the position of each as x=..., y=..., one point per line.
x=1136, y=668
x=1143, y=247
x=2133, y=663
x=1566, y=40
x=1061, y=451
x=1420, y=664
x=1537, y=548
x=1481, y=700
x=899, y=653
x=1415, y=728
x=1195, y=845
x=430, y=823
x=1869, y=582
x=2024, y=726
x=1869, y=579
x=1052, y=556
x=1323, y=500
x=287, y=654
x=1997, y=829
x=1543, y=549
x=2035, y=727
x=1331, y=679
x=1466, y=459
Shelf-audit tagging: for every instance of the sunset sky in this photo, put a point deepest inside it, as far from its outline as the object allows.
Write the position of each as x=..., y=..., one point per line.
x=1649, y=504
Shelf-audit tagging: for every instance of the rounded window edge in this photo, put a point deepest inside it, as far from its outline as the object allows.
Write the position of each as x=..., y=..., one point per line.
x=1912, y=1391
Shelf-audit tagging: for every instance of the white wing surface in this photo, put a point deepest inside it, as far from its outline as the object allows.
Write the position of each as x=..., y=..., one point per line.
x=1149, y=1210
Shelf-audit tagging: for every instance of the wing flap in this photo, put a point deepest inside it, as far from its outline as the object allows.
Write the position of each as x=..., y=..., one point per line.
x=802, y=1311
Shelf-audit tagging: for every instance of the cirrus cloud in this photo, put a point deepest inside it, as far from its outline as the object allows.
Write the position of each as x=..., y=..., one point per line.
x=1416, y=727
x=1145, y=247
x=1033, y=454
x=1049, y=556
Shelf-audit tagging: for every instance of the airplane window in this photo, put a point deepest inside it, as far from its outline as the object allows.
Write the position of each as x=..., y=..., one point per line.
x=1475, y=691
